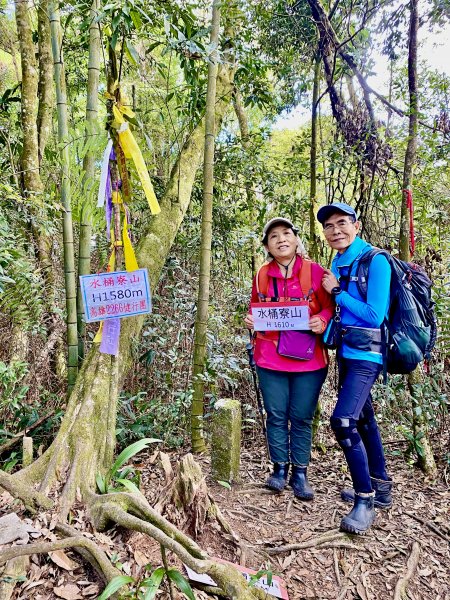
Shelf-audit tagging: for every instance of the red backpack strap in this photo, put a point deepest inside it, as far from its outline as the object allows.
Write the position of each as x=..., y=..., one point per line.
x=262, y=280
x=307, y=285
x=306, y=276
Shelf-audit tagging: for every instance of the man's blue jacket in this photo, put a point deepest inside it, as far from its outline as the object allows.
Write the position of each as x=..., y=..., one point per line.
x=354, y=310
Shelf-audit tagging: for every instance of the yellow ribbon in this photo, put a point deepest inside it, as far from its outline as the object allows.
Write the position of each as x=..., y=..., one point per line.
x=132, y=150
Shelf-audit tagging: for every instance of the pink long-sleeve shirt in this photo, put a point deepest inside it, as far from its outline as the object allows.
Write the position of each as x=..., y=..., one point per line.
x=265, y=350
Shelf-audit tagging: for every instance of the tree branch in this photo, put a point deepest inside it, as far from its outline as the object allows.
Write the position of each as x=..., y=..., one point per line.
x=330, y=536
x=413, y=561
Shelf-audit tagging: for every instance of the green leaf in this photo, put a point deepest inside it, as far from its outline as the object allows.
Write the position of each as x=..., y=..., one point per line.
x=114, y=37
x=257, y=576
x=181, y=582
x=101, y=483
x=152, y=47
x=153, y=582
x=225, y=484
x=132, y=53
x=114, y=585
x=130, y=451
x=129, y=485
x=136, y=17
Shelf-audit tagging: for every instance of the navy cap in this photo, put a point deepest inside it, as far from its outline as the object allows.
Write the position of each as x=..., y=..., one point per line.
x=337, y=207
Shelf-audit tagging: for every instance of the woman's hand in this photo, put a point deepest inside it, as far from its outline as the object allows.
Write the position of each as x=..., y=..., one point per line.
x=329, y=281
x=317, y=325
x=248, y=320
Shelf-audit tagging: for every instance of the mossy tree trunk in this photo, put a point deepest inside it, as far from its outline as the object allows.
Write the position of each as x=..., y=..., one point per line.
x=201, y=320
x=313, y=241
x=45, y=83
x=84, y=445
x=248, y=183
x=63, y=140
x=84, y=249
x=29, y=161
x=425, y=455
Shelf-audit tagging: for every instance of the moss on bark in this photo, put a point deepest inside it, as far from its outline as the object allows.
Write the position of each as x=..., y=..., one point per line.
x=226, y=440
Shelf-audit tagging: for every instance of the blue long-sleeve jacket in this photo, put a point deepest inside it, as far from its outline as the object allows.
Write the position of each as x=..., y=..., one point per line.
x=354, y=310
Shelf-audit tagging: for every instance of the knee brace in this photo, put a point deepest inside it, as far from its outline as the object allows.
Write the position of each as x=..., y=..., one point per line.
x=367, y=421
x=345, y=431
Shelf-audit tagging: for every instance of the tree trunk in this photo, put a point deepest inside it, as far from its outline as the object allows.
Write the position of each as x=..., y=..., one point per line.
x=45, y=83
x=84, y=250
x=201, y=321
x=313, y=241
x=29, y=161
x=248, y=184
x=84, y=445
x=425, y=454
x=63, y=140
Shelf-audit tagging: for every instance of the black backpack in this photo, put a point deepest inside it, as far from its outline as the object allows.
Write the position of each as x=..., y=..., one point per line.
x=410, y=329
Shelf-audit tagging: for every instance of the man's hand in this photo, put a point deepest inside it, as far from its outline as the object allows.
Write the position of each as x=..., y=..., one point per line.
x=329, y=281
x=317, y=325
x=248, y=320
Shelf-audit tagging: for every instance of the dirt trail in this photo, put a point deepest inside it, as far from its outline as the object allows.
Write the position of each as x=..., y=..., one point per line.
x=329, y=566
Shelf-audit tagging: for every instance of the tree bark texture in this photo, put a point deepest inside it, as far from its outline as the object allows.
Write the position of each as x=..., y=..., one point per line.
x=411, y=148
x=201, y=321
x=313, y=241
x=45, y=83
x=425, y=456
x=248, y=184
x=31, y=182
x=91, y=128
x=67, y=226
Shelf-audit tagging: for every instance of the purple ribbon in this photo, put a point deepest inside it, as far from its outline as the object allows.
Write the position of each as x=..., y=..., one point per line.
x=108, y=206
x=110, y=337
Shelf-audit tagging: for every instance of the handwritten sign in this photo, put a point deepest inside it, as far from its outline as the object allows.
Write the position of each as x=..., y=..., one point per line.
x=275, y=589
x=279, y=316
x=115, y=295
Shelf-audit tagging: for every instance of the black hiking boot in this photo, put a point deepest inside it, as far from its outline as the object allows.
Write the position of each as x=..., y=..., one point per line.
x=361, y=517
x=277, y=481
x=300, y=484
x=383, y=493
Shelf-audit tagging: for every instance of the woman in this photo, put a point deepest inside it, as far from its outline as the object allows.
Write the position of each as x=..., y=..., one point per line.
x=290, y=386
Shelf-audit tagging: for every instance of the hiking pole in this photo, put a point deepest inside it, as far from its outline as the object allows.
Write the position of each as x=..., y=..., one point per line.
x=262, y=412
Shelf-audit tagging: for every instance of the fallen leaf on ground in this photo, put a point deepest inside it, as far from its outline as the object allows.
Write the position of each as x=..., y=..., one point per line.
x=60, y=558
x=68, y=592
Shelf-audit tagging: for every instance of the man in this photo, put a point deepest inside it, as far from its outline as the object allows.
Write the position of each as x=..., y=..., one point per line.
x=360, y=361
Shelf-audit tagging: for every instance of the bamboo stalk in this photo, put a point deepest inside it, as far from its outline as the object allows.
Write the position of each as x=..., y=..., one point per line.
x=63, y=136
x=84, y=246
x=201, y=321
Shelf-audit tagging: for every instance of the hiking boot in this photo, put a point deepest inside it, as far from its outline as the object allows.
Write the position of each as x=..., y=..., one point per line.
x=300, y=484
x=383, y=493
x=361, y=517
x=277, y=481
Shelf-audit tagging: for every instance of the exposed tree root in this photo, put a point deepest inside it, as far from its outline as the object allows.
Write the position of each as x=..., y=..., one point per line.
x=430, y=525
x=139, y=507
x=227, y=577
x=30, y=497
x=14, y=569
x=331, y=536
x=92, y=553
x=79, y=541
x=411, y=565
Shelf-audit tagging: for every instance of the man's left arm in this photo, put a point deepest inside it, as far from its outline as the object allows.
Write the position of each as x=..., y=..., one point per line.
x=372, y=311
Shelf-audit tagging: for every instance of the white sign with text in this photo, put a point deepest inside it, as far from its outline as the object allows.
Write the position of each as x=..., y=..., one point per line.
x=115, y=295
x=280, y=316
